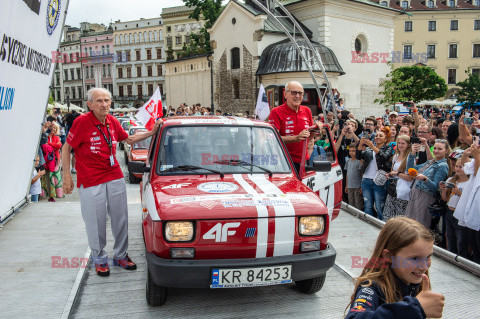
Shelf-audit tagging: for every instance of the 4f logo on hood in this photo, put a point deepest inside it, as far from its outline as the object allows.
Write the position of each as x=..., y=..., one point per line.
x=220, y=233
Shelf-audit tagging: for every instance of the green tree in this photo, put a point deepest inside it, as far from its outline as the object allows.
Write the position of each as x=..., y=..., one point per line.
x=208, y=10
x=170, y=55
x=412, y=83
x=470, y=92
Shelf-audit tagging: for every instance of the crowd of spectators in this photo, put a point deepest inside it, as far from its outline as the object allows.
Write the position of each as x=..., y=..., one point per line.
x=422, y=165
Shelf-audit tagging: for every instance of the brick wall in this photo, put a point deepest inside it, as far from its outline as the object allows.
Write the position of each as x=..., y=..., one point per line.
x=225, y=78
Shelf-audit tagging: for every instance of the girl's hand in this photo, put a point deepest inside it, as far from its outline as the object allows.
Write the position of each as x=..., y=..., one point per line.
x=456, y=191
x=432, y=303
x=420, y=177
x=392, y=174
x=415, y=148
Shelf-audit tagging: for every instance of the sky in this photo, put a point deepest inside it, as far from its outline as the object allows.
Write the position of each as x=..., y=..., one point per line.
x=106, y=11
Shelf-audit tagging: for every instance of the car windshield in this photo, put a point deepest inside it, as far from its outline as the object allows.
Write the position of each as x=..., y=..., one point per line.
x=134, y=130
x=145, y=144
x=225, y=149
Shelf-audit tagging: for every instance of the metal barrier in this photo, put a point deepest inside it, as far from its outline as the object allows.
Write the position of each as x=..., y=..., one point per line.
x=456, y=260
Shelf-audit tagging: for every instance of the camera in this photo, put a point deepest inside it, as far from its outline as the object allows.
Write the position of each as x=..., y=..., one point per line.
x=414, y=140
x=407, y=104
x=449, y=185
x=468, y=120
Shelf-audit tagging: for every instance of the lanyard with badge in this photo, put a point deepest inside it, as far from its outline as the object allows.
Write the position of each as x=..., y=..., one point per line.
x=109, y=142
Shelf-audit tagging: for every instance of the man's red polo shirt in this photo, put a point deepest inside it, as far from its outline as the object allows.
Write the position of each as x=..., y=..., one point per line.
x=290, y=123
x=92, y=153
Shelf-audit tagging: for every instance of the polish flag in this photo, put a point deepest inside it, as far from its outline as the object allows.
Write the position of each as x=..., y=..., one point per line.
x=151, y=111
x=132, y=122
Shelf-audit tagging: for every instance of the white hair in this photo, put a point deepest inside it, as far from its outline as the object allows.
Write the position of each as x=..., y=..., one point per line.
x=90, y=93
x=287, y=86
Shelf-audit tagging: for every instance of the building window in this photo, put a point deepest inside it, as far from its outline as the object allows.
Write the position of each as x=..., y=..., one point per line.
x=149, y=71
x=476, y=50
x=432, y=25
x=451, y=3
x=127, y=56
x=73, y=93
x=86, y=52
x=80, y=93
x=120, y=73
x=169, y=29
x=235, y=57
x=139, y=90
x=159, y=53
x=431, y=4
x=72, y=74
x=103, y=50
x=384, y=3
x=169, y=41
x=79, y=74
x=139, y=71
x=476, y=71
x=129, y=90
x=108, y=49
x=178, y=40
x=65, y=75
x=187, y=39
x=407, y=52
x=129, y=73
x=120, y=90
x=137, y=55
x=90, y=50
x=119, y=56
x=452, y=51
x=236, y=89
x=149, y=54
x=431, y=51
x=159, y=70
x=476, y=3
x=408, y=26
x=160, y=88
x=104, y=73
x=454, y=25
x=452, y=76
x=476, y=24
x=150, y=89
x=86, y=73
x=91, y=71
x=404, y=5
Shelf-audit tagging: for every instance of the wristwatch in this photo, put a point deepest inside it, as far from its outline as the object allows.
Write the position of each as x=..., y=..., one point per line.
x=425, y=179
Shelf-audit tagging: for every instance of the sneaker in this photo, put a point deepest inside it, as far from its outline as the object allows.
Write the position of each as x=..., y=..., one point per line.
x=102, y=270
x=51, y=199
x=74, y=171
x=125, y=263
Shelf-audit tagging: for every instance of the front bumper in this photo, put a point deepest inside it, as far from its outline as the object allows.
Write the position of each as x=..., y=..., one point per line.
x=191, y=273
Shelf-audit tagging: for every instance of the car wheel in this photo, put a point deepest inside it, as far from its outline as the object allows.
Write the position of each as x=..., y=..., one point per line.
x=156, y=295
x=121, y=146
x=126, y=158
x=311, y=286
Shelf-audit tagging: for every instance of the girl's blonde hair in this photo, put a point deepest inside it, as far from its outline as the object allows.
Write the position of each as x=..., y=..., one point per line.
x=403, y=160
x=398, y=232
x=57, y=127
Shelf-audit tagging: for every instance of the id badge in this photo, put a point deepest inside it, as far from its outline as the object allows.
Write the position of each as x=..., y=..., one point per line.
x=112, y=160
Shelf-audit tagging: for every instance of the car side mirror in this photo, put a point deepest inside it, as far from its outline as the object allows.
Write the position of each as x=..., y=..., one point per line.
x=320, y=166
x=138, y=167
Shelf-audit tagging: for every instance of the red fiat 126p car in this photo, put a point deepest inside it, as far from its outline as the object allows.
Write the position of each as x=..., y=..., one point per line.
x=223, y=207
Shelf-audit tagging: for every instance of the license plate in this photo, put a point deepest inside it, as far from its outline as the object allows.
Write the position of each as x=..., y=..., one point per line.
x=251, y=277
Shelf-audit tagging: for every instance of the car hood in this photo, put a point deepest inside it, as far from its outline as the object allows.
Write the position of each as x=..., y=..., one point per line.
x=234, y=196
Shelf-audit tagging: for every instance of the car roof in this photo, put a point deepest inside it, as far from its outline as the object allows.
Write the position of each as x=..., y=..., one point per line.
x=213, y=120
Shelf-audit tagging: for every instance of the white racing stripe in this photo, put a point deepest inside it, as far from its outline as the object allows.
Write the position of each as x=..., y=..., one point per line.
x=284, y=220
x=262, y=221
x=150, y=203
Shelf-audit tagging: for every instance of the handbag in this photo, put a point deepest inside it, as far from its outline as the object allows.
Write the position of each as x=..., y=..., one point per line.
x=380, y=177
x=392, y=187
x=438, y=208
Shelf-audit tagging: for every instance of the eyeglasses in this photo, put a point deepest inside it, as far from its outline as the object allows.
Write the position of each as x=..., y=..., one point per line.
x=423, y=132
x=441, y=141
x=296, y=92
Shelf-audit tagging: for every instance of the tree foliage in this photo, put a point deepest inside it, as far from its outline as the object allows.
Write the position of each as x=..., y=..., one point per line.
x=470, y=92
x=412, y=83
x=208, y=10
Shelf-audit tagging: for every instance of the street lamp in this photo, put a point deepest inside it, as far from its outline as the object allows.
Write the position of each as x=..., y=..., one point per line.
x=67, y=93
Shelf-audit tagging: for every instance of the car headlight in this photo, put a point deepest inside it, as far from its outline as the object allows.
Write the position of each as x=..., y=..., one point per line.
x=179, y=231
x=311, y=225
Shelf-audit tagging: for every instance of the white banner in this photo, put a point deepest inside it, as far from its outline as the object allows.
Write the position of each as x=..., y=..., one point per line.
x=29, y=31
x=262, y=110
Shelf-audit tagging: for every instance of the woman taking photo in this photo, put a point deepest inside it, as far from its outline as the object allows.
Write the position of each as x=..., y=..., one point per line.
x=52, y=180
x=427, y=178
x=377, y=158
x=398, y=188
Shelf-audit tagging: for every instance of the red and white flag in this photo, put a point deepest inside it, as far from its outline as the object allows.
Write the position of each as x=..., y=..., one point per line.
x=132, y=121
x=151, y=111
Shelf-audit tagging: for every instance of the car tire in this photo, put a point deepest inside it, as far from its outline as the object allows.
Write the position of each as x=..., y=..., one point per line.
x=311, y=286
x=156, y=295
x=121, y=146
x=126, y=158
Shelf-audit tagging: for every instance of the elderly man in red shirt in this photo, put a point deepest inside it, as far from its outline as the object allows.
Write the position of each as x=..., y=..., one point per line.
x=94, y=137
x=292, y=120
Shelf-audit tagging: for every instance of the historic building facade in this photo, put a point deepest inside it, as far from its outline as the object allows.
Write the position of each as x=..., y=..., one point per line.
x=139, y=54
x=341, y=29
x=444, y=35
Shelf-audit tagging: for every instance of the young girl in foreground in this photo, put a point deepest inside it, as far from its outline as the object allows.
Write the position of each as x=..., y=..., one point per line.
x=395, y=284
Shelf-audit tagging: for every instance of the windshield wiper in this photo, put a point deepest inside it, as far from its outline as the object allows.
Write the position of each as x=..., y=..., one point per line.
x=234, y=162
x=192, y=168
